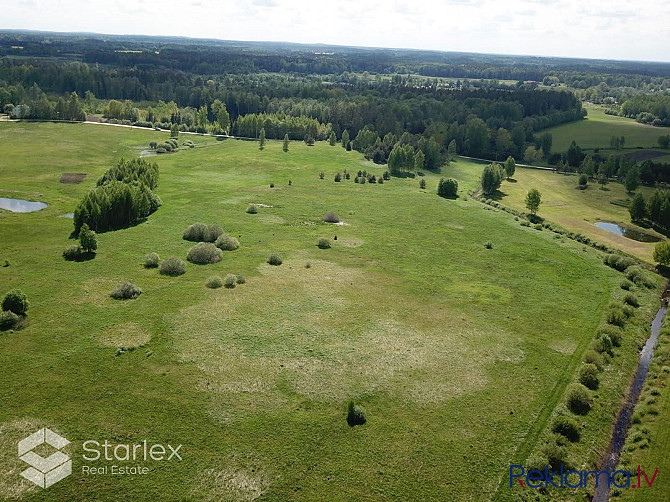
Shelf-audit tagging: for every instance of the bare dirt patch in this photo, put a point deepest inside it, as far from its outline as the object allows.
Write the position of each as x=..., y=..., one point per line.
x=128, y=335
x=72, y=178
x=642, y=155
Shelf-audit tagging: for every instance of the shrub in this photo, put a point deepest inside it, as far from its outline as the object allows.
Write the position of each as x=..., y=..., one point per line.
x=583, y=180
x=173, y=267
x=618, y=262
x=557, y=455
x=631, y=300
x=592, y=357
x=87, y=239
x=15, y=301
x=73, y=253
x=347, y=175
x=272, y=185
x=628, y=311
x=447, y=187
x=355, y=415
x=126, y=291
x=160, y=149
x=614, y=333
x=566, y=427
x=627, y=285
x=638, y=276
x=308, y=264
x=241, y=279
x=199, y=232
x=227, y=243
x=386, y=175
x=578, y=399
x=488, y=245
x=275, y=259
x=588, y=376
x=6, y=263
x=422, y=183
x=204, y=253
x=230, y=281
x=214, y=282
x=338, y=177
x=324, y=243
x=252, y=209
x=332, y=217
x=380, y=180
x=322, y=175
x=616, y=316
x=8, y=319
x=151, y=260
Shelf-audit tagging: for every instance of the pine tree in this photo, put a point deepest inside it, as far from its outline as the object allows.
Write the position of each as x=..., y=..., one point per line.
x=261, y=139
x=345, y=139
x=285, y=146
x=87, y=239
x=332, y=139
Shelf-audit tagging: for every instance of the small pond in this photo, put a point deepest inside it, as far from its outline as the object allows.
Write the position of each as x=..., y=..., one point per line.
x=628, y=232
x=20, y=206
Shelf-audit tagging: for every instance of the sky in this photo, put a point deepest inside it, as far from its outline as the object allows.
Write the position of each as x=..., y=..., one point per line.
x=601, y=29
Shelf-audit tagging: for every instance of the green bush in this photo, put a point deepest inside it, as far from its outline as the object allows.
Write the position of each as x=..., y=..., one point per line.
x=324, y=243
x=241, y=279
x=199, y=232
x=631, y=300
x=227, y=243
x=422, y=183
x=230, y=281
x=592, y=357
x=151, y=260
x=204, y=253
x=15, y=301
x=8, y=320
x=126, y=291
x=488, y=245
x=578, y=399
x=214, y=282
x=447, y=187
x=355, y=415
x=73, y=253
x=639, y=276
x=602, y=344
x=614, y=333
x=566, y=427
x=252, y=209
x=619, y=262
x=6, y=263
x=275, y=259
x=556, y=454
x=627, y=285
x=331, y=217
x=173, y=267
x=616, y=316
x=588, y=376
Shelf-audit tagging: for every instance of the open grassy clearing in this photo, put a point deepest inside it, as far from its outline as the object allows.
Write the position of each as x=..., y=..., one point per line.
x=408, y=313
x=577, y=210
x=598, y=128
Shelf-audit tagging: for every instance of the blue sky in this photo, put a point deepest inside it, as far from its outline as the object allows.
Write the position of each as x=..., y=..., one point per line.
x=611, y=29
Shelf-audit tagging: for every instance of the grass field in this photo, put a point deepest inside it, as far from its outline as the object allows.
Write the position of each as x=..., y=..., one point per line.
x=598, y=128
x=458, y=353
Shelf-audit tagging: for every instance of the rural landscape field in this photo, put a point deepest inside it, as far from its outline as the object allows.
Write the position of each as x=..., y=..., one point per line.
x=282, y=273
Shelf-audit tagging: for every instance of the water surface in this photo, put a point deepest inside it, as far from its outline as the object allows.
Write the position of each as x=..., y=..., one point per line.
x=20, y=205
x=628, y=232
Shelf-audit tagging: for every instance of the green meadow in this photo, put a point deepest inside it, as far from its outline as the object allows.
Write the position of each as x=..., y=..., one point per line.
x=457, y=352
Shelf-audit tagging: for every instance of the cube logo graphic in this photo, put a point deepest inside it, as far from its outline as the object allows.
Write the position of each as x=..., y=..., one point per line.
x=44, y=472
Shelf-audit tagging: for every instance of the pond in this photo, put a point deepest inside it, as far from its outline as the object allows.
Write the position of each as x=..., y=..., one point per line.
x=628, y=232
x=20, y=206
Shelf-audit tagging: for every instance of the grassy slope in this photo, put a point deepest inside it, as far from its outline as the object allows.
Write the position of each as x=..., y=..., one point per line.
x=436, y=336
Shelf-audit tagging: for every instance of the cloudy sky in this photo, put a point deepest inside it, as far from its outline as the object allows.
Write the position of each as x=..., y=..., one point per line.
x=612, y=29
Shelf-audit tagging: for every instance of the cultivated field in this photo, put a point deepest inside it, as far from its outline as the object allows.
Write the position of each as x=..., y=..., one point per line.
x=457, y=352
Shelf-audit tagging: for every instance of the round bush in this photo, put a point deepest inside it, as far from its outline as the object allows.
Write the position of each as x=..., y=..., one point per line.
x=488, y=245
x=638, y=276
x=214, y=282
x=227, y=243
x=556, y=454
x=241, y=279
x=275, y=259
x=602, y=344
x=252, y=209
x=126, y=291
x=331, y=217
x=355, y=415
x=8, y=319
x=614, y=333
x=566, y=427
x=323, y=243
x=616, y=316
x=173, y=267
x=627, y=285
x=578, y=399
x=447, y=187
x=588, y=376
x=199, y=232
x=592, y=357
x=15, y=301
x=151, y=260
x=204, y=253
x=230, y=281
x=631, y=300
x=73, y=253
x=628, y=311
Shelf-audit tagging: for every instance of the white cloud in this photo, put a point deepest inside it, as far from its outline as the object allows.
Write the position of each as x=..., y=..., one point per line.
x=614, y=29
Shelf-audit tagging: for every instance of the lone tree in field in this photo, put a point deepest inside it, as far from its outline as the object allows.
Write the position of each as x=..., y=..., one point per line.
x=261, y=139
x=662, y=253
x=174, y=131
x=285, y=145
x=632, y=179
x=87, y=239
x=533, y=200
x=492, y=177
x=345, y=139
x=638, y=208
x=602, y=180
x=332, y=139
x=510, y=167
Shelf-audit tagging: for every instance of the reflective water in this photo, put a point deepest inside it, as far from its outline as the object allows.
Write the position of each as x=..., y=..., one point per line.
x=21, y=206
x=628, y=232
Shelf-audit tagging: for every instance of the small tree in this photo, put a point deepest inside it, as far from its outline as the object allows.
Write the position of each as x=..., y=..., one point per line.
x=510, y=167
x=419, y=160
x=632, y=179
x=87, y=239
x=422, y=183
x=174, y=131
x=15, y=301
x=638, y=208
x=261, y=139
x=332, y=139
x=583, y=180
x=492, y=177
x=285, y=145
x=533, y=200
x=602, y=179
x=345, y=139
x=447, y=187
x=451, y=149
x=662, y=253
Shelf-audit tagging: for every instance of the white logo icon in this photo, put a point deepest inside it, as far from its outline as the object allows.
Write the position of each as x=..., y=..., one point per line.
x=45, y=472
